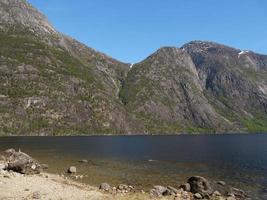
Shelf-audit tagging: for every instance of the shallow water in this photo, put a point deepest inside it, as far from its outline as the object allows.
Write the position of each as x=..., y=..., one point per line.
x=144, y=161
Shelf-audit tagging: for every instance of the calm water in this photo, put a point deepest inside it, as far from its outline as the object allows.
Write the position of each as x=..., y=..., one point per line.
x=144, y=161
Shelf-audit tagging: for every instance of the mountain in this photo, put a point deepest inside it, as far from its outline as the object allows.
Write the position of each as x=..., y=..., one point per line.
x=201, y=87
x=51, y=84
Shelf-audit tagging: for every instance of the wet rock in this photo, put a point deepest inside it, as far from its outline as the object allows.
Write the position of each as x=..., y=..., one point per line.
x=21, y=162
x=44, y=166
x=158, y=191
x=222, y=183
x=200, y=185
x=186, y=187
x=83, y=161
x=104, y=187
x=72, y=170
x=197, y=196
x=238, y=193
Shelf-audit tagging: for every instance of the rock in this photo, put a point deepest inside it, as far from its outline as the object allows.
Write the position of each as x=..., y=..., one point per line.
x=36, y=195
x=9, y=152
x=104, y=187
x=122, y=187
x=83, y=161
x=197, y=196
x=6, y=176
x=222, y=183
x=21, y=162
x=172, y=189
x=158, y=191
x=186, y=187
x=2, y=166
x=238, y=193
x=44, y=166
x=216, y=193
x=72, y=170
x=200, y=185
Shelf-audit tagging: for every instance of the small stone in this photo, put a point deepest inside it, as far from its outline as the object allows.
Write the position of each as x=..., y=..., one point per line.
x=44, y=166
x=83, y=161
x=221, y=183
x=2, y=166
x=27, y=189
x=197, y=196
x=33, y=167
x=216, y=193
x=36, y=195
x=172, y=189
x=158, y=191
x=6, y=176
x=105, y=187
x=72, y=170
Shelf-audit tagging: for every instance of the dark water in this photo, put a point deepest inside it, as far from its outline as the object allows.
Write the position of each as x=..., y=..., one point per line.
x=144, y=161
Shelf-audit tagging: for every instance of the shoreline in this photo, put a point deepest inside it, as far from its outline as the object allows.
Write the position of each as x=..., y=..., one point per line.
x=47, y=186
x=22, y=177
x=135, y=135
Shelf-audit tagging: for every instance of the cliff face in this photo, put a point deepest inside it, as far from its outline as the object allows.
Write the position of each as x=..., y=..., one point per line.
x=235, y=81
x=50, y=84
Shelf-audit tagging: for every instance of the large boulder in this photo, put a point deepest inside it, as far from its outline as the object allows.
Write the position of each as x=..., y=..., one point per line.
x=21, y=162
x=200, y=185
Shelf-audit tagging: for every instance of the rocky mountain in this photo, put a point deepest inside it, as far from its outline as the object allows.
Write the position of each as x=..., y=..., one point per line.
x=51, y=84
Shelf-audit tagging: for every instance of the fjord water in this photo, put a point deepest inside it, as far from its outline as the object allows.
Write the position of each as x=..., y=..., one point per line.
x=144, y=161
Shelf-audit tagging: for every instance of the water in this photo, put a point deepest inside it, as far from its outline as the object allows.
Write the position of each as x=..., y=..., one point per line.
x=144, y=161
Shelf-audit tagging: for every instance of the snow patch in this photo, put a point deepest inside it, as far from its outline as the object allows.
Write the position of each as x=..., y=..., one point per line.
x=242, y=53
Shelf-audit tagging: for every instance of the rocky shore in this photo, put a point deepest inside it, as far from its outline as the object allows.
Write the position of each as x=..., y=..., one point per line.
x=22, y=177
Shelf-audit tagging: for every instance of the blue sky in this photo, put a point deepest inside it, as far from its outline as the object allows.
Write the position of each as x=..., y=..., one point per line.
x=130, y=30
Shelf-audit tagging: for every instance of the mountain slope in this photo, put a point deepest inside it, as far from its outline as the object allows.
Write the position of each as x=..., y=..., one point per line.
x=51, y=84
x=202, y=87
x=235, y=81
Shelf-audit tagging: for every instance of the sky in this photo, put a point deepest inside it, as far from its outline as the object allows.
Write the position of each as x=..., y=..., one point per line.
x=130, y=30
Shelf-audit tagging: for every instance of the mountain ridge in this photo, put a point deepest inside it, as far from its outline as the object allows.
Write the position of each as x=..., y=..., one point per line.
x=51, y=84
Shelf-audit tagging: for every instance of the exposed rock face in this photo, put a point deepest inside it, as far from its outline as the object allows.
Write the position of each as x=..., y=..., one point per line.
x=50, y=84
x=234, y=82
x=166, y=89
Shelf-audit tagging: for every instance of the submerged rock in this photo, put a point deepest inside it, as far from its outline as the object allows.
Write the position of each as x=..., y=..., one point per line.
x=83, y=161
